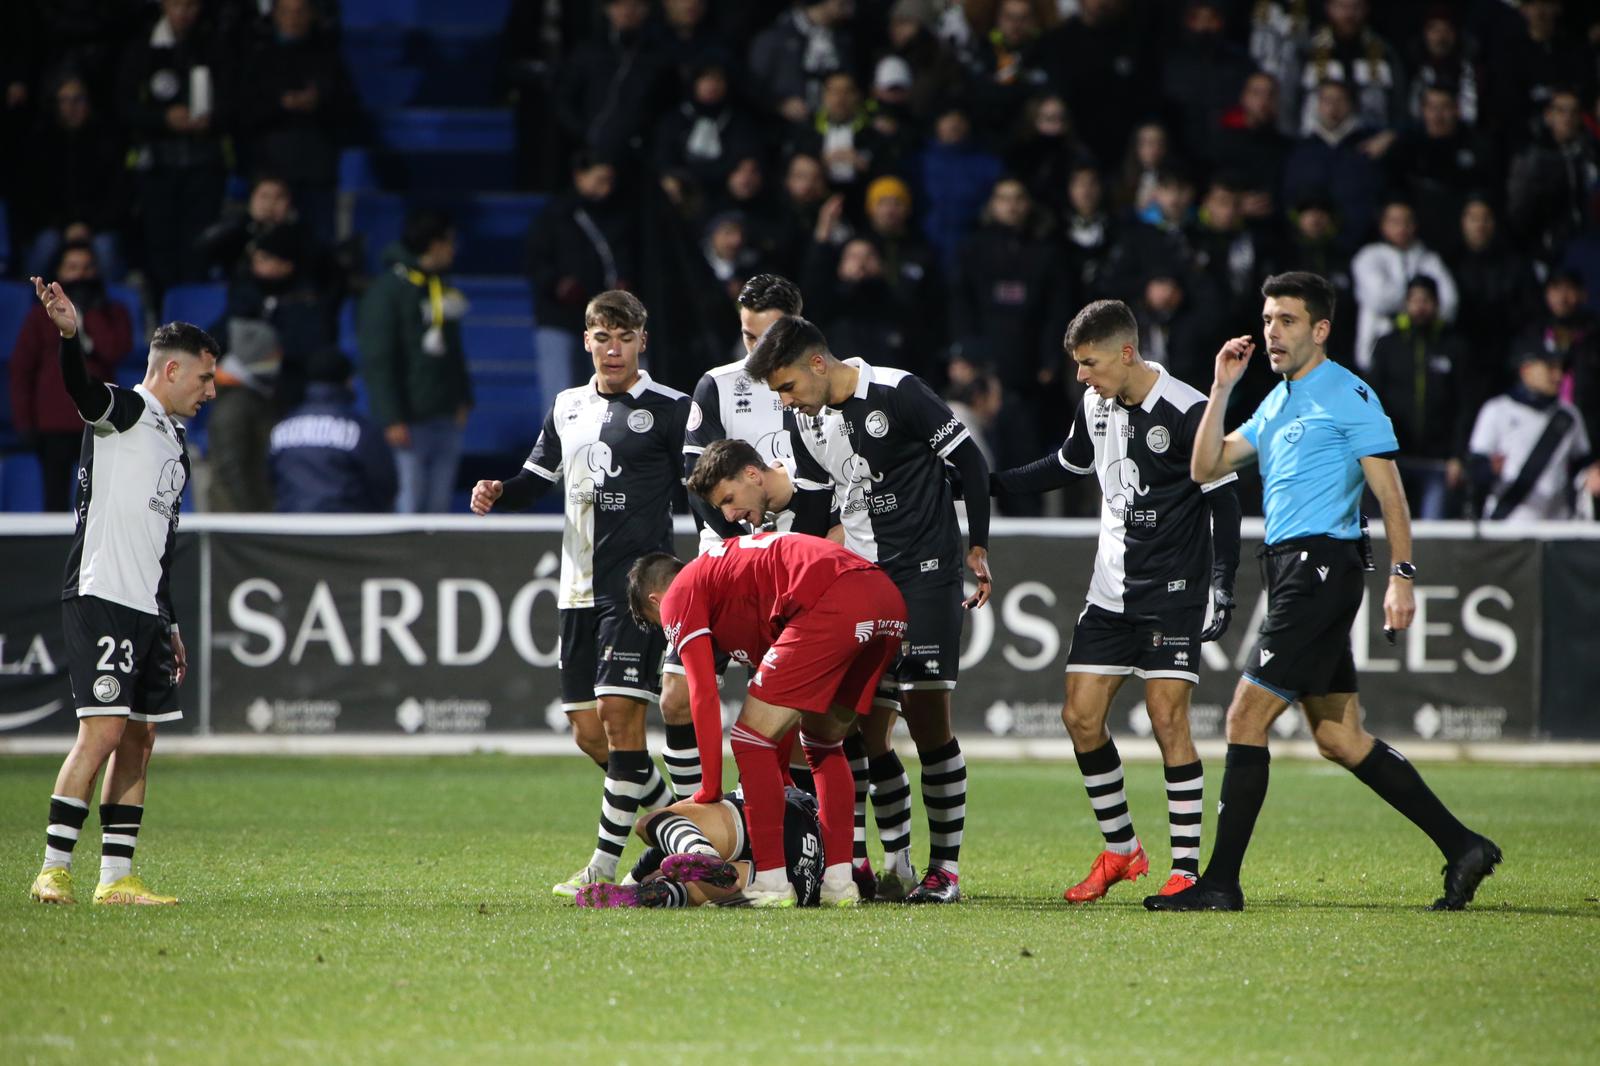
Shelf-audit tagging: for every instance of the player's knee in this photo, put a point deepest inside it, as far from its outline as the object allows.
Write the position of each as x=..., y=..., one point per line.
x=1082, y=722
x=674, y=701
x=1343, y=746
x=1168, y=719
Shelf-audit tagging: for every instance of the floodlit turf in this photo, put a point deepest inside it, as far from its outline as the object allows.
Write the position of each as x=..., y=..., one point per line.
x=399, y=910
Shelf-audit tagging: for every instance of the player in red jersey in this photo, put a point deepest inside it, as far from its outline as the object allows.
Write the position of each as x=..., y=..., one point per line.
x=823, y=624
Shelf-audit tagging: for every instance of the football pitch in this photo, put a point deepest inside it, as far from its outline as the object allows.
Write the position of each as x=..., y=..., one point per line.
x=399, y=910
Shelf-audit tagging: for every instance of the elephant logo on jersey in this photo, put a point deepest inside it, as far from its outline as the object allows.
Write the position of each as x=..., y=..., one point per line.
x=1123, y=486
x=859, y=480
x=591, y=465
x=775, y=445
x=169, y=486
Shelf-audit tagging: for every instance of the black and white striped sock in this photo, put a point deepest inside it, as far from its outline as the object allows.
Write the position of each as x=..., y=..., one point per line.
x=1102, y=779
x=656, y=794
x=682, y=757
x=891, y=801
x=677, y=835
x=1185, y=785
x=628, y=780
x=855, y=750
x=944, y=795
x=119, y=834
x=67, y=816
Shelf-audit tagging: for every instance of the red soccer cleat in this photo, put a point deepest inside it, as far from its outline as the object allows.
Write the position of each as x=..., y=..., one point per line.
x=1175, y=884
x=1108, y=869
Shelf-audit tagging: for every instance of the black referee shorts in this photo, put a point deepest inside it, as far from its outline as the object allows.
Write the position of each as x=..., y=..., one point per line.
x=1314, y=590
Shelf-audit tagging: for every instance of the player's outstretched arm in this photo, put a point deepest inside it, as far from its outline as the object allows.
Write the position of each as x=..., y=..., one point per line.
x=1214, y=455
x=92, y=398
x=1041, y=475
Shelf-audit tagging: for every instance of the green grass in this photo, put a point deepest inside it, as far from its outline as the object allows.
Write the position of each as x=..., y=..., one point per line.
x=398, y=910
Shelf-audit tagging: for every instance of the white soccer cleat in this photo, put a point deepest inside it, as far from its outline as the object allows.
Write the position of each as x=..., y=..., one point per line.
x=589, y=875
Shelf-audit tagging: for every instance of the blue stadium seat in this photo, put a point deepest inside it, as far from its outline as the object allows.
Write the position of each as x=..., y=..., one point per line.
x=356, y=170
x=447, y=130
x=21, y=484
x=503, y=342
x=16, y=300
x=202, y=303
x=429, y=13
x=496, y=297
x=129, y=297
x=506, y=414
x=5, y=238
x=493, y=227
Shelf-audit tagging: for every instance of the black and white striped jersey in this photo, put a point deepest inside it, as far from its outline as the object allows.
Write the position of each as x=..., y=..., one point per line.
x=883, y=451
x=620, y=458
x=730, y=404
x=1155, y=532
x=131, y=475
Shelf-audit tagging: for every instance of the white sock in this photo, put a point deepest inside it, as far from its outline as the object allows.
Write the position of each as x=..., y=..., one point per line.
x=837, y=875
x=605, y=862
x=114, y=868
x=775, y=880
x=949, y=866
x=897, y=862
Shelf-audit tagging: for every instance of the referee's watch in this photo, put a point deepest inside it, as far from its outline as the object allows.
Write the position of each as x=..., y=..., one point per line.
x=1405, y=570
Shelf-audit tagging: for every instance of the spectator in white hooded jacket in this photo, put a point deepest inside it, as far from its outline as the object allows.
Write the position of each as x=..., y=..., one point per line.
x=1381, y=272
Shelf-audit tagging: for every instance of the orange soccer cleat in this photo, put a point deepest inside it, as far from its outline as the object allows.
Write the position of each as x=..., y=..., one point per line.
x=1108, y=869
x=1175, y=884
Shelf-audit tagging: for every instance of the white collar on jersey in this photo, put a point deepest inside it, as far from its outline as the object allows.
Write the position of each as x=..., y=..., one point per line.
x=864, y=378
x=637, y=391
x=156, y=406
x=1162, y=377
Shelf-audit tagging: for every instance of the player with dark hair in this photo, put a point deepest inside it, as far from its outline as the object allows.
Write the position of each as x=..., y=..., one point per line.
x=617, y=443
x=1168, y=549
x=698, y=854
x=124, y=653
x=883, y=438
x=1320, y=436
x=819, y=625
x=726, y=404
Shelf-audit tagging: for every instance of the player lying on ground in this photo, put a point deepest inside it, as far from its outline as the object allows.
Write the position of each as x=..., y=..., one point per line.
x=700, y=854
x=824, y=624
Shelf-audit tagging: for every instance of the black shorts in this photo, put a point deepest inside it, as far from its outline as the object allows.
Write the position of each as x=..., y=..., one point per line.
x=1314, y=589
x=120, y=661
x=603, y=653
x=930, y=652
x=802, y=841
x=674, y=665
x=1165, y=645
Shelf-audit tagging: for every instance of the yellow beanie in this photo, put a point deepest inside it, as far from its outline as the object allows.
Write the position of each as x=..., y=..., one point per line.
x=888, y=185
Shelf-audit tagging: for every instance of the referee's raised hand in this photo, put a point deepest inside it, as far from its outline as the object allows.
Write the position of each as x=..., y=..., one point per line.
x=1232, y=358
x=57, y=306
x=484, y=493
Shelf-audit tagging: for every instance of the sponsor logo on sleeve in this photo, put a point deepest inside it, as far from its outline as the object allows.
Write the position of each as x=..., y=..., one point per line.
x=695, y=416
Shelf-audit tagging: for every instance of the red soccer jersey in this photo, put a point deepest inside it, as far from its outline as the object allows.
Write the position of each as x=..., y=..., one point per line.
x=743, y=591
x=740, y=594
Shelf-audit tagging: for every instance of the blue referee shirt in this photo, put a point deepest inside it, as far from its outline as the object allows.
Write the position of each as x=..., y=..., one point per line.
x=1310, y=436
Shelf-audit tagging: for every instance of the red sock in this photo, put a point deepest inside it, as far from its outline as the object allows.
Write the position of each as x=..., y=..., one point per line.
x=836, y=797
x=786, y=756
x=757, y=757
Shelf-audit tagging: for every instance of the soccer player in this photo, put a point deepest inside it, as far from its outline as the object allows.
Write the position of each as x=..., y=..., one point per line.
x=883, y=437
x=1167, y=547
x=126, y=659
x=699, y=854
x=729, y=404
x=823, y=624
x=1319, y=436
x=617, y=443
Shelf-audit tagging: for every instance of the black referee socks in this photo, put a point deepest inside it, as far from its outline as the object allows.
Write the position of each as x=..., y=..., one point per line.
x=1391, y=775
x=1244, y=790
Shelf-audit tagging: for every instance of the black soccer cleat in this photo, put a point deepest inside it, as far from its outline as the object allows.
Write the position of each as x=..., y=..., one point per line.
x=866, y=881
x=1465, y=872
x=1203, y=895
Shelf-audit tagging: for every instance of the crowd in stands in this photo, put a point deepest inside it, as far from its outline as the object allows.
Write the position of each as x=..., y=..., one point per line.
x=947, y=180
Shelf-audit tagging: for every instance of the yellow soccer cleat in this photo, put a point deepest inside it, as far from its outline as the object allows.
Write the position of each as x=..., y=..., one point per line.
x=131, y=891
x=53, y=886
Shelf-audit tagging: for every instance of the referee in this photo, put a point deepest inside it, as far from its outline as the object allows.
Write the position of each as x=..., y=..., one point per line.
x=1318, y=436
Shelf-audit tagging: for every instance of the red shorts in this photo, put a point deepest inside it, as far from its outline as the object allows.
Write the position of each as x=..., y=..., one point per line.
x=835, y=652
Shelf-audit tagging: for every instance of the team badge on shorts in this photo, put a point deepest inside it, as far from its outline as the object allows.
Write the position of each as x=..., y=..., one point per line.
x=1155, y=640
x=106, y=688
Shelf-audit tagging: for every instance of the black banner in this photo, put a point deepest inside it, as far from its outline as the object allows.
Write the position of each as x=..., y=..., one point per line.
x=455, y=631
x=35, y=693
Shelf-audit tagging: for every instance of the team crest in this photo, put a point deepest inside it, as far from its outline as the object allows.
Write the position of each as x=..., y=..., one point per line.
x=640, y=421
x=1158, y=439
x=106, y=688
x=694, y=416
x=877, y=424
